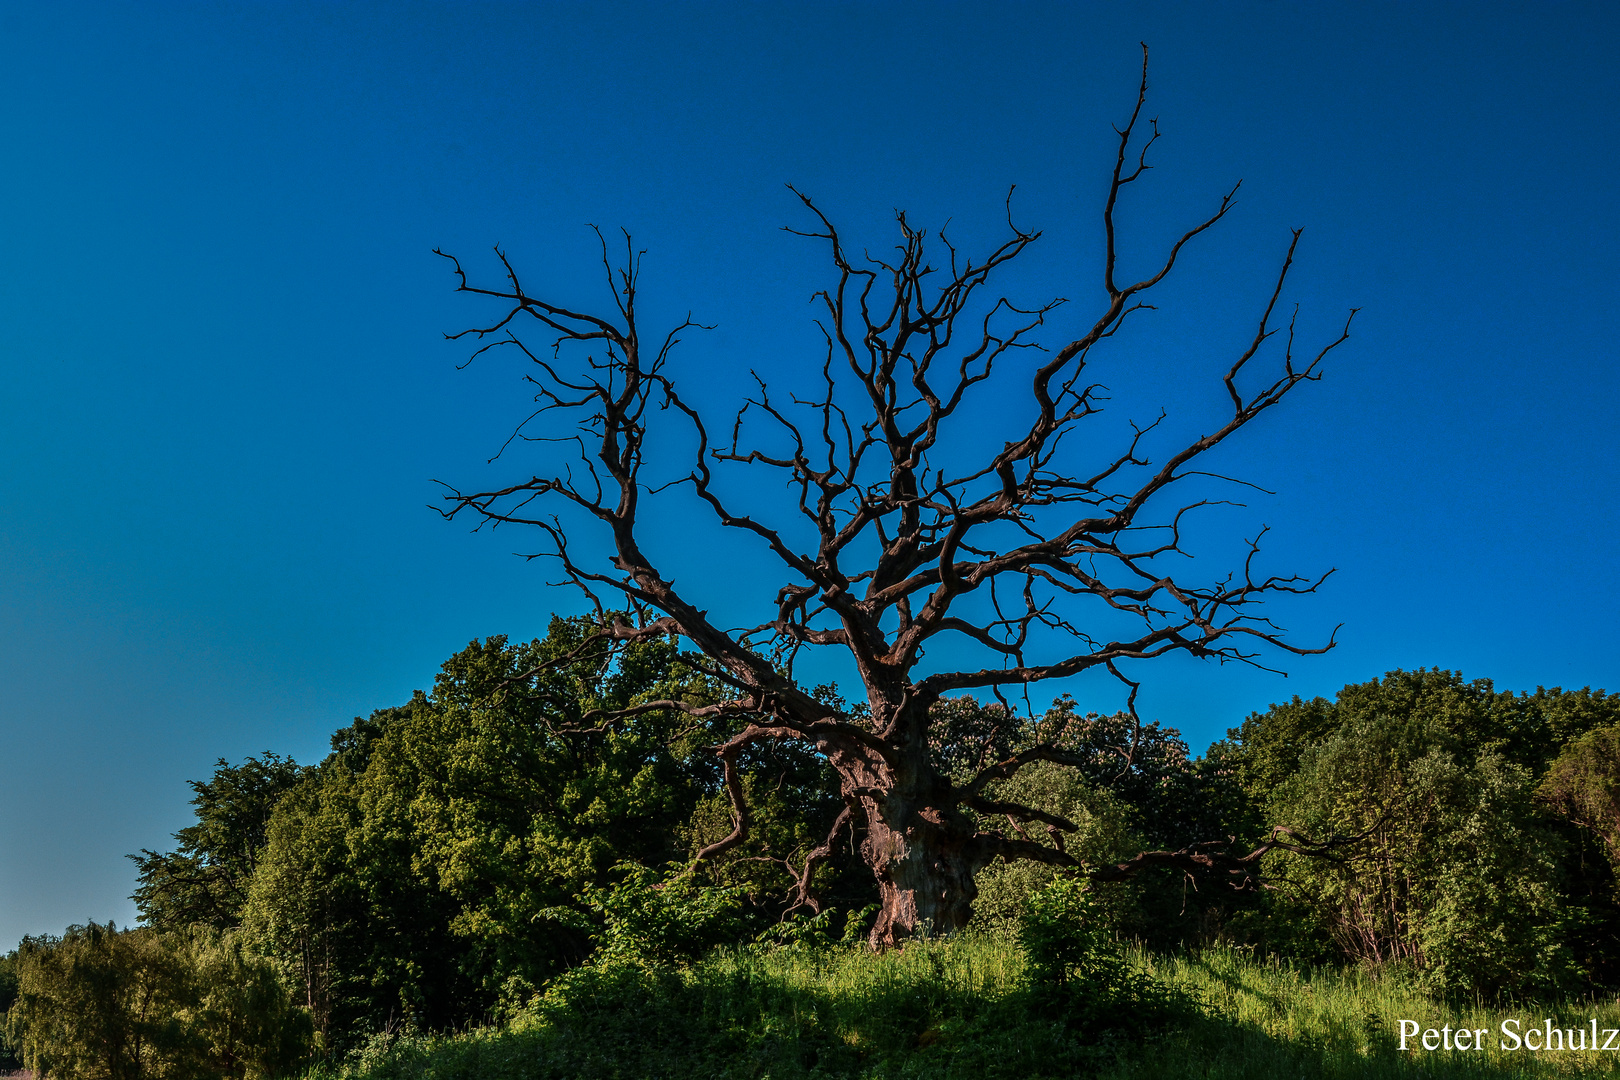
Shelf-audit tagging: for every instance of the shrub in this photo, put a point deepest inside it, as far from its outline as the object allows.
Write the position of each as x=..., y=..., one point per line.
x=1073, y=964
x=653, y=922
x=1104, y=835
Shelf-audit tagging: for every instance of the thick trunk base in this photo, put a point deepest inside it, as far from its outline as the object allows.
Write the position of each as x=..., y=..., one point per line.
x=925, y=882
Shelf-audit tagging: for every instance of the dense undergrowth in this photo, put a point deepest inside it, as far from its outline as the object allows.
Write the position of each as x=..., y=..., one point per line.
x=967, y=1008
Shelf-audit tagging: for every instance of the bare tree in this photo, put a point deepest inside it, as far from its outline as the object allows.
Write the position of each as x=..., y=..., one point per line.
x=891, y=541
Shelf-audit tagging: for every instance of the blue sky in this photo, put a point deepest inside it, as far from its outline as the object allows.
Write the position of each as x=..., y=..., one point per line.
x=226, y=389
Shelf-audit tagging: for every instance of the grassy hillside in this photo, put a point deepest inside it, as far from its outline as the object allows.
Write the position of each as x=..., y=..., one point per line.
x=961, y=1009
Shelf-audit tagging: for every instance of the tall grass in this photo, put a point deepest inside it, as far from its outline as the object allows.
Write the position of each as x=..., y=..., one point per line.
x=1269, y=1018
x=961, y=1009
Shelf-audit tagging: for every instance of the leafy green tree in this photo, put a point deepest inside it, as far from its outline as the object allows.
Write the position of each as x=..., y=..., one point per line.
x=1103, y=834
x=1267, y=748
x=434, y=866
x=9, y=1061
x=97, y=1003
x=204, y=882
x=1555, y=716
x=1126, y=786
x=1481, y=752
x=518, y=804
x=1527, y=729
x=239, y=1017
x=307, y=907
x=1583, y=784
x=100, y=1004
x=1582, y=788
x=1174, y=798
x=1453, y=871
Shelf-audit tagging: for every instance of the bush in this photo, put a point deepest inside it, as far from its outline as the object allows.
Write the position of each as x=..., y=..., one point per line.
x=814, y=933
x=663, y=923
x=1103, y=836
x=1074, y=964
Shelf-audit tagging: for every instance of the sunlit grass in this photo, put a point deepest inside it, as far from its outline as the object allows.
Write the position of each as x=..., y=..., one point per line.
x=1270, y=1018
x=960, y=1009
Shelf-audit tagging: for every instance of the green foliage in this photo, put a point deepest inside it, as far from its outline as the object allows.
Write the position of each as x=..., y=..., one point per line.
x=814, y=933
x=1583, y=784
x=1526, y=729
x=955, y=1008
x=1135, y=786
x=1268, y=745
x=1081, y=972
x=1441, y=766
x=312, y=907
x=99, y=1004
x=1145, y=767
x=240, y=1018
x=204, y=882
x=1453, y=871
x=1104, y=835
x=663, y=921
x=1581, y=789
x=1556, y=716
x=436, y=868
x=484, y=847
x=793, y=799
x=1063, y=938
x=1171, y=796
x=9, y=1061
x=1277, y=1018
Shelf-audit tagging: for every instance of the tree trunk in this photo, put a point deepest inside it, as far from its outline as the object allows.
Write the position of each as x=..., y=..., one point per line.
x=919, y=845
x=922, y=859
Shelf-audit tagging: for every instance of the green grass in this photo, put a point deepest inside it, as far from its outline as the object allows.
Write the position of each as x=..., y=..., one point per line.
x=959, y=1009
x=1268, y=1019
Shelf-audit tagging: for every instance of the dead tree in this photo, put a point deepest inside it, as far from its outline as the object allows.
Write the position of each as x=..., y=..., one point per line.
x=891, y=541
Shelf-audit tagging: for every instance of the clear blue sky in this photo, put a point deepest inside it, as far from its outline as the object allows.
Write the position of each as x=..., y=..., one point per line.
x=226, y=390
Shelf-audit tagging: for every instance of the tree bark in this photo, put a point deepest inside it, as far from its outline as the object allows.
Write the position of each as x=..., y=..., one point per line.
x=919, y=845
x=924, y=867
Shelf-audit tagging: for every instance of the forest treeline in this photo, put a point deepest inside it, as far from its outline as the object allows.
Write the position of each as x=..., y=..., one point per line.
x=454, y=855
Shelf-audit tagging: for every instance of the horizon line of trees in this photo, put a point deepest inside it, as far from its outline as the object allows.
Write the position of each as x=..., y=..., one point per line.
x=453, y=855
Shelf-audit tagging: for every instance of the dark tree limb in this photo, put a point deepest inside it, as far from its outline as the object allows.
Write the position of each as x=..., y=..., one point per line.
x=889, y=533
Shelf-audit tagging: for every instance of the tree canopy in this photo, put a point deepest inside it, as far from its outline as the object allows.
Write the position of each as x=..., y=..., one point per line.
x=914, y=516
